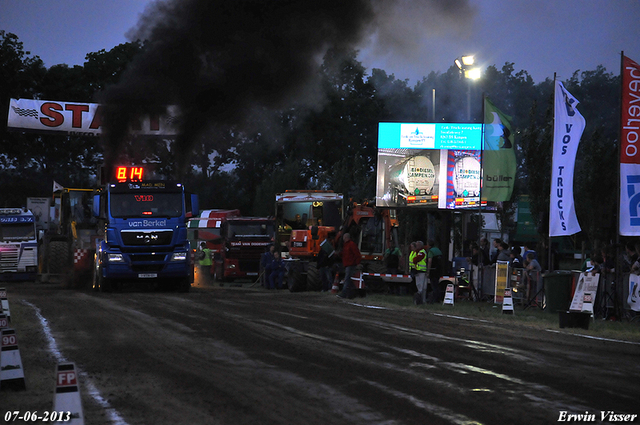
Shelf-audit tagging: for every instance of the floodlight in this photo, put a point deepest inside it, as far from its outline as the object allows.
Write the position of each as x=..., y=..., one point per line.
x=468, y=60
x=473, y=73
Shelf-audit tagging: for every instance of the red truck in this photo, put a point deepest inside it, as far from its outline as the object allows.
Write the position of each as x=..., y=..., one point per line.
x=208, y=228
x=245, y=239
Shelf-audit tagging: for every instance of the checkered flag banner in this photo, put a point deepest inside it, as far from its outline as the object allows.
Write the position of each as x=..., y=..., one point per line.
x=83, y=119
x=25, y=112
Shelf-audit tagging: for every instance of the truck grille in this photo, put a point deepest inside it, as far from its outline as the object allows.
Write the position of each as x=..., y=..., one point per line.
x=9, y=258
x=146, y=237
x=249, y=265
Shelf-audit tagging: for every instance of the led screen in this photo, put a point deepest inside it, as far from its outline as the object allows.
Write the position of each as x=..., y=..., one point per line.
x=429, y=165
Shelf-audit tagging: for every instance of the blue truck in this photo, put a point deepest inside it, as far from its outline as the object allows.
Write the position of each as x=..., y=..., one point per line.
x=144, y=240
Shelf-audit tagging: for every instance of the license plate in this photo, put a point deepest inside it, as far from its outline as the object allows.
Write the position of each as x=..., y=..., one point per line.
x=147, y=275
x=252, y=274
x=297, y=244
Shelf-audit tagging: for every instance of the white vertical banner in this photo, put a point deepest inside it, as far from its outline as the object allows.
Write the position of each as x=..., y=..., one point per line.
x=567, y=130
x=629, y=152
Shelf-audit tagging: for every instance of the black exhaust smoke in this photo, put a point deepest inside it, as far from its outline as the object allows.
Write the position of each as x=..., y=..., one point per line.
x=219, y=60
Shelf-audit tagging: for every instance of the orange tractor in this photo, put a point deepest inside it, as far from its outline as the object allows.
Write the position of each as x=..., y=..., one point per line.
x=305, y=218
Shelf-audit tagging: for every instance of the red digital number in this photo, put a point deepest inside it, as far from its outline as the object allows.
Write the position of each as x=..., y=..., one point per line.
x=121, y=174
x=137, y=173
x=129, y=174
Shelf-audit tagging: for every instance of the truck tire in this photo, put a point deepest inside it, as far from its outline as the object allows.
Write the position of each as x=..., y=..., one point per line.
x=313, y=277
x=102, y=284
x=296, y=280
x=58, y=261
x=94, y=282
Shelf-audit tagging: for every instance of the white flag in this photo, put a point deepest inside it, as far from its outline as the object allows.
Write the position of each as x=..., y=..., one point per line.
x=567, y=130
x=57, y=186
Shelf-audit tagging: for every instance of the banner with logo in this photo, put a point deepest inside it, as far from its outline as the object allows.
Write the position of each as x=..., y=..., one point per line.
x=567, y=130
x=633, y=299
x=499, y=158
x=501, y=279
x=629, y=224
x=78, y=118
x=585, y=293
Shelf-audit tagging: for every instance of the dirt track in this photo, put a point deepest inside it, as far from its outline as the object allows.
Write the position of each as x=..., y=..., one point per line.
x=238, y=356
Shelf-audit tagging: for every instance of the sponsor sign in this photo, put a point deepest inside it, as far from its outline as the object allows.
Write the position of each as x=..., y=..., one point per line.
x=585, y=293
x=568, y=127
x=633, y=299
x=502, y=271
x=630, y=150
x=78, y=118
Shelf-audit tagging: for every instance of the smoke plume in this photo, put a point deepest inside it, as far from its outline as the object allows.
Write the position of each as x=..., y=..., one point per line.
x=218, y=60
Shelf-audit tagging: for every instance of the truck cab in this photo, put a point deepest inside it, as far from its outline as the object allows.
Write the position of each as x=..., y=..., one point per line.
x=144, y=235
x=18, y=245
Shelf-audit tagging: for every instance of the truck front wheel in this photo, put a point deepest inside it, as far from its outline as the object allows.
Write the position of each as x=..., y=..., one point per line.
x=58, y=259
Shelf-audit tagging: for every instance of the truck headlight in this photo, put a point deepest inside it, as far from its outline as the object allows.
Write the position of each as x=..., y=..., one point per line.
x=115, y=258
x=179, y=256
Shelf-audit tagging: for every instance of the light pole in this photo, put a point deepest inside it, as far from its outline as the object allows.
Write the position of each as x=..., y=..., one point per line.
x=466, y=66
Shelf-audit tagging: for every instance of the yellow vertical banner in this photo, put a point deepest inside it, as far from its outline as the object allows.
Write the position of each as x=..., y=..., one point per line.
x=502, y=272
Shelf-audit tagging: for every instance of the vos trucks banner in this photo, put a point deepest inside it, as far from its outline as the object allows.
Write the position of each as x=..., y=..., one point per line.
x=567, y=130
x=630, y=150
x=78, y=118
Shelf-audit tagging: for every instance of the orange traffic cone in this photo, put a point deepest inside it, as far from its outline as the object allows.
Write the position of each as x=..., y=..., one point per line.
x=336, y=285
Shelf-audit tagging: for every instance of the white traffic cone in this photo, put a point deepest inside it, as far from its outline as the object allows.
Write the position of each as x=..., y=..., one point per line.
x=507, y=302
x=11, y=371
x=4, y=303
x=448, y=296
x=67, y=400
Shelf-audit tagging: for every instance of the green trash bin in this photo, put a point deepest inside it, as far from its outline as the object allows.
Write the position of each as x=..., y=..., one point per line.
x=557, y=290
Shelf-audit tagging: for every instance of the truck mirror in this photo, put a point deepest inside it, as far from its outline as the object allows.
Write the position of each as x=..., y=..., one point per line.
x=96, y=206
x=194, y=211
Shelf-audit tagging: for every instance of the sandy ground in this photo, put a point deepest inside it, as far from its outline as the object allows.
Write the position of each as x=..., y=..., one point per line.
x=249, y=356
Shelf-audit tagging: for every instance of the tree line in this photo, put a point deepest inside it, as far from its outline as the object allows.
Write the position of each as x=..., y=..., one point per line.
x=329, y=144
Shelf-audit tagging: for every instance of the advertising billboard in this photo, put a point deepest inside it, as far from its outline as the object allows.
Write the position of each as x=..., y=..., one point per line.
x=429, y=165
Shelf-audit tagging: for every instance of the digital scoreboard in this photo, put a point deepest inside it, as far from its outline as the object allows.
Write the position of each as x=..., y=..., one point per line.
x=129, y=173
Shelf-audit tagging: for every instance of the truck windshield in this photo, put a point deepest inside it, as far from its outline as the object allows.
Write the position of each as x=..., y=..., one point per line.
x=17, y=232
x=250, y=229
x=141, y=205
x=300, y=215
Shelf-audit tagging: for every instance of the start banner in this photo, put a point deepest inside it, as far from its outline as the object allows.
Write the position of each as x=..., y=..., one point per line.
x=79, y=119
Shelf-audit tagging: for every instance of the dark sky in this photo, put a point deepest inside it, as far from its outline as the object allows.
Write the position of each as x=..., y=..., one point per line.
x=541, y=37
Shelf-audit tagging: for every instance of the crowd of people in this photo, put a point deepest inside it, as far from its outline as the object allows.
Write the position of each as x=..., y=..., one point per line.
x=426, y=264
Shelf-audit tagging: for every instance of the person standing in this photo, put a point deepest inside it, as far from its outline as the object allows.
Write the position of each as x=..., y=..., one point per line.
x=532, y=274
x=435, y=263
x=351, y=258
x=205, y=261
x=420, y=264
x=497, y=245
x=325, y=261
x=412, y=266
x=265, y=262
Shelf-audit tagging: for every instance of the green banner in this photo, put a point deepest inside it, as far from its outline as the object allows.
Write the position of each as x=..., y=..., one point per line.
x=499, y=157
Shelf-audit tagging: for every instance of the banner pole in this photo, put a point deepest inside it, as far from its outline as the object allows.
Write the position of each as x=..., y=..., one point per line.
x=553, y=126
x=618, y=276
